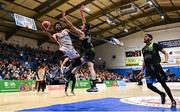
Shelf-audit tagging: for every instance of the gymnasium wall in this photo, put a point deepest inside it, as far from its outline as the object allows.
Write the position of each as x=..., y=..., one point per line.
x=23, y=41
x=135, y=42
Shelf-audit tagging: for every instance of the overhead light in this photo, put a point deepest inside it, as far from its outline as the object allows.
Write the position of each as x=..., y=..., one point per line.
x=26, y=63
x=126, y=30
x=162, y=17
x=87, y=9
x=113, y=23
x=109, y=21
x=150, y=3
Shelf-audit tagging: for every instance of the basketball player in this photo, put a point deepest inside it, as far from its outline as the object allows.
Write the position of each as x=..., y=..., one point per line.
x=153, y=69
x=63, y=39
x=88, y=48
x=64, y=68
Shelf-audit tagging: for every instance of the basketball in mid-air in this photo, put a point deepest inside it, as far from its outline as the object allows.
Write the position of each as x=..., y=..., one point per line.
x=46, y=24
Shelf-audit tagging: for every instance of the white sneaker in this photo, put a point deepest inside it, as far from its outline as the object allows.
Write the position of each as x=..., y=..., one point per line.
x=66, y=93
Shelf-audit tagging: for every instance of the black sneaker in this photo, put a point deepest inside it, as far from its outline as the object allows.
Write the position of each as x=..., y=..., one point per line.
x=94, y=89
x=163, y=98
x=173, y=104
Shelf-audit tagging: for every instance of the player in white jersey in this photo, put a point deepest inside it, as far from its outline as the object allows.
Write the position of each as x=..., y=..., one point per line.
x=63, y=39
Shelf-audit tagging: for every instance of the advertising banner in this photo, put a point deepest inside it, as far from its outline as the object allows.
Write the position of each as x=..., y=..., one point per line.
x=110, y=83
x=121, y=83
x=170, y=43
x=56, y=87
x=132, y=61
x=16, y=85
x=82, y=84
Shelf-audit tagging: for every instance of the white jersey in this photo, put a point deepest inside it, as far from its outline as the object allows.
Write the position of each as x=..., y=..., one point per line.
x=65, y=44
x=63, y=39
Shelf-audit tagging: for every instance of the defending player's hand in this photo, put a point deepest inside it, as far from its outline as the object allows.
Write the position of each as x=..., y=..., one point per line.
x=64, y=14
x=82, y=7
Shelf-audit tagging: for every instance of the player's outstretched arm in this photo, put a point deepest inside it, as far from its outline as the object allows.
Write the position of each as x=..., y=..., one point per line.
x=76, y=30
x=82, y=15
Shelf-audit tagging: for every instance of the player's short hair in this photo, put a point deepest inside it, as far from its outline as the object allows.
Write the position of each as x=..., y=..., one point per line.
x=57, y=24
x=150, y=36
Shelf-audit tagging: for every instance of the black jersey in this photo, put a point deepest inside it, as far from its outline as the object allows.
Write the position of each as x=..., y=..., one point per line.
x=86, y=43
x=88, y=49
x=151, y=53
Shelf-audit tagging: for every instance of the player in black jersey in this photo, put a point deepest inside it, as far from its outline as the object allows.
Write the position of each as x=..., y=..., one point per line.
x=153, y=69
x=71, y=77
x=88, y=49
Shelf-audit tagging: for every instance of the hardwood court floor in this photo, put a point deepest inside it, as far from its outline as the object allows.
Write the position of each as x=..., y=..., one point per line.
x=25, y=100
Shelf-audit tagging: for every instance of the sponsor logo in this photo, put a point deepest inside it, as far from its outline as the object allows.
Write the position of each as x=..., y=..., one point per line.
x=83, y=84
x=150, y=101
x=6, y=84
x=9, y=84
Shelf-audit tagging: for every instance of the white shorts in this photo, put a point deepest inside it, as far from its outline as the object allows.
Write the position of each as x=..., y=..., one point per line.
x=70, y=52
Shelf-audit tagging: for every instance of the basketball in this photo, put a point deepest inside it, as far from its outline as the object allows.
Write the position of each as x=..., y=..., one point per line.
x=46, y=24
